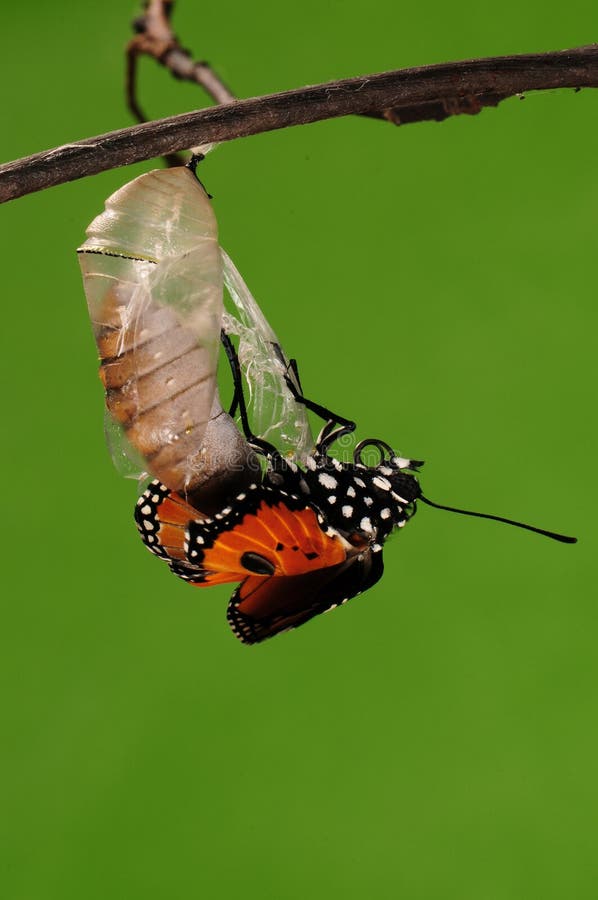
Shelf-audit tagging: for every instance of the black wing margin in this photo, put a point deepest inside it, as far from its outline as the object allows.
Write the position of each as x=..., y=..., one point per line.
x=263, y=607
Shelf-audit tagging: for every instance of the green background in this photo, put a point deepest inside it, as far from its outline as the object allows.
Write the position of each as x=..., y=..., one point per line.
x=436, y=738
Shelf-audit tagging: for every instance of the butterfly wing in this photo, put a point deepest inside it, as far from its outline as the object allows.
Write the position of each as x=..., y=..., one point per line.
x=263, y=532
x=263, y=607
x=162, y=517
x=274, y=414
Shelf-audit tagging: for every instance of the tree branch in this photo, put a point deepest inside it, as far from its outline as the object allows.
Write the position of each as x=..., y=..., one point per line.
x=486, y=80
x=156, y=39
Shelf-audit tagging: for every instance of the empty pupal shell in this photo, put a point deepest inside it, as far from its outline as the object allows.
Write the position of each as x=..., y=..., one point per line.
x=274, y=414
x=153, y=278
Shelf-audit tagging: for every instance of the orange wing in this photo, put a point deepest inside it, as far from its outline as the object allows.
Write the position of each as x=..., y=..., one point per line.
x=263, y=532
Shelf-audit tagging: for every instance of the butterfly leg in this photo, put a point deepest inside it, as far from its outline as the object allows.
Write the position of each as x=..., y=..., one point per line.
x=295, y=370
x=336, y=426
x=238, y=401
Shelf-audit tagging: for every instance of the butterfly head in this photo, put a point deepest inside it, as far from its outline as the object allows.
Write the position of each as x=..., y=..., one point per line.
x=389, y=482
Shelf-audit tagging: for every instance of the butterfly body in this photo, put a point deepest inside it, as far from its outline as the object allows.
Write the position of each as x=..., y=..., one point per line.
x=363, y=503
x=301, y=541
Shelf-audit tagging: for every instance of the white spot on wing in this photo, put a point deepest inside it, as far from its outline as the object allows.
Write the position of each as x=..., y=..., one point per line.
x=382, y=483
x=347, y=511
x=327, y=481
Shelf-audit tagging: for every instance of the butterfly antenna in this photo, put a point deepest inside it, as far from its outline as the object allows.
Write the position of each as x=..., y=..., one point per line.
x=563, y=538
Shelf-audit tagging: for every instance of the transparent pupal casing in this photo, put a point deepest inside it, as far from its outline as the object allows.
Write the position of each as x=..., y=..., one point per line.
x=152, y=272
x=273, y=412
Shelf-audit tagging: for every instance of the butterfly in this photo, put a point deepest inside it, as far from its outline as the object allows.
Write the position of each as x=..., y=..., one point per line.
x=255, y=502
x=302, y=541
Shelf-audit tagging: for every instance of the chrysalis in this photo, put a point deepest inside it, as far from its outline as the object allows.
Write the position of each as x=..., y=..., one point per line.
x=153, y=275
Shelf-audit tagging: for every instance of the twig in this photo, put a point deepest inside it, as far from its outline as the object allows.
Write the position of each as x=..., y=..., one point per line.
x=497, y=77
x=155, y=38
